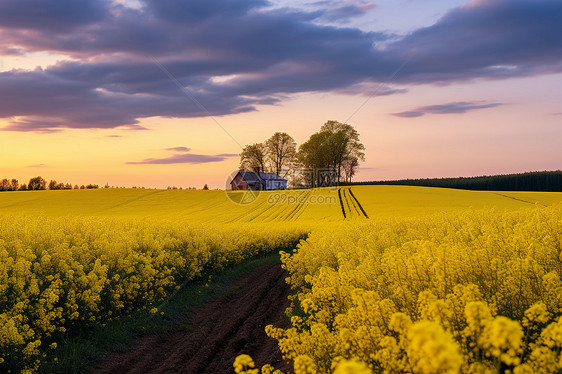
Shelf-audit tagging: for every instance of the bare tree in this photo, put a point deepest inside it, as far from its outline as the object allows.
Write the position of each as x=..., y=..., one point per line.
x=5, y=185
x=252, y=156
x=349, y=167
x=281, y=151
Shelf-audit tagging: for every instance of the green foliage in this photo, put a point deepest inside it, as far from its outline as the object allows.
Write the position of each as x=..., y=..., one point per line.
x=335, y=147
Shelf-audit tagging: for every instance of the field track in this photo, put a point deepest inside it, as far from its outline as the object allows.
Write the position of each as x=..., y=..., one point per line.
x=233, y=324
x=350, y=206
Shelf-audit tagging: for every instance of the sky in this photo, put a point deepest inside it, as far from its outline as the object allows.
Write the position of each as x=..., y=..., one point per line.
x=160, y=93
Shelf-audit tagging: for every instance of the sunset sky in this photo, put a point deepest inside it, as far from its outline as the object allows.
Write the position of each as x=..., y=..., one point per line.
x=165, y=92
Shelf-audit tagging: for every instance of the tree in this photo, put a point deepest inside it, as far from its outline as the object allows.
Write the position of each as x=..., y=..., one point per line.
x=53, y=185
x=5, y=185
x=36, y=183
x=346, y=144
x=349, y=167
x=14, y=185
x=281, y=151
x=314, y=155
x=253, y=156
x=205, y=187
x=23, y=187
x=327, y=151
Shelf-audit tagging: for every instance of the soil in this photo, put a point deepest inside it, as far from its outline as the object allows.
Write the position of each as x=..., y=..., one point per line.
x=233, y=324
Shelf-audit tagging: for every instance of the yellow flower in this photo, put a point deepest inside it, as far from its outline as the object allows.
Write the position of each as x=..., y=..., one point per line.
x=352, y=367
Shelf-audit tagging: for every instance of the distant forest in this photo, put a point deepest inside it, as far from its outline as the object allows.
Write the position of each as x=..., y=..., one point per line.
x=532, y=181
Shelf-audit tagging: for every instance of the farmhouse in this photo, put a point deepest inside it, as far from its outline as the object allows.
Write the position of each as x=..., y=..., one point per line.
x=256, y=180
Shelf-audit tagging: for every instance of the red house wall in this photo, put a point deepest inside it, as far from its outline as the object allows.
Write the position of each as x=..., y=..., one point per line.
x=238, y=183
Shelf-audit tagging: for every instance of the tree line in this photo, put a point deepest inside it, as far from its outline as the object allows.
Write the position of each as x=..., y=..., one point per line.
x=530, y=181
x=330, y=155
x=39, y=183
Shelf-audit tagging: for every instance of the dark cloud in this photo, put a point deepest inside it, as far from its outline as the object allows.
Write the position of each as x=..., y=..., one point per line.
x=332, y=11
x=41, y=101
x=185, y=158
x=449, y=108
x=233, y=55
x=51, y=15
x=485, y=39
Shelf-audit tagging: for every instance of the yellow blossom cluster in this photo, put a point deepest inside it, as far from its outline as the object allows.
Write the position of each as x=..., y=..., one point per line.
x=61, y=275
x=478, y=291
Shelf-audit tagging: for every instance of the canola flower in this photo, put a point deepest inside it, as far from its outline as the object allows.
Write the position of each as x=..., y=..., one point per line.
x=473, y=292
x=61, y=275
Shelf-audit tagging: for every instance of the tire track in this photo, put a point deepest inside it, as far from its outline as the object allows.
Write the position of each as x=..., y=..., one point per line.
x=358, y=204
x=341, y=203
x=353, y=202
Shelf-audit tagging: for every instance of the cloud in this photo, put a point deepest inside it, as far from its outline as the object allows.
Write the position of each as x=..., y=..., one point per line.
x=485, y=39
x=342, y=11
x=37, y=166
x=449, y=108
x=268, y=54
x=409, y=114
x=178, y=149
x=44, y=102
x=187, y=158
x=51, y=15
x=183, y=157
x=114, y=136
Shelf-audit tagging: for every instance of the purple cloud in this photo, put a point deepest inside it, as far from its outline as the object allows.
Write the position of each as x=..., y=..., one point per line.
x=37, y=166
x=409, y=114
x=267, y=53
x=342, y=11
x=187, y=158
x=178, y=149
x=449, y=108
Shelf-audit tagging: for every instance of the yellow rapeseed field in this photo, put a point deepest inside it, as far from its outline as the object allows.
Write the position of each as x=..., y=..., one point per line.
x=391, y=279
x=478, y=291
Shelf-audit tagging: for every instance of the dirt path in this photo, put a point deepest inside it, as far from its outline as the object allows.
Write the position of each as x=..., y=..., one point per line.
x=231, y=325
